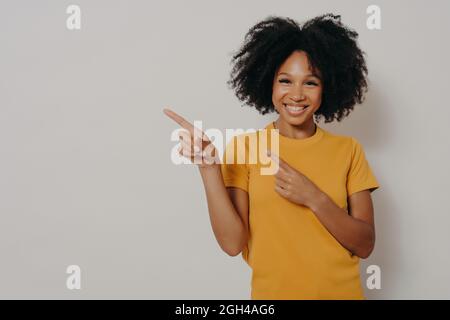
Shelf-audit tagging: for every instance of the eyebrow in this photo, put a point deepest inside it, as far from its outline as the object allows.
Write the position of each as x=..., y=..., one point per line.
x=308, y=75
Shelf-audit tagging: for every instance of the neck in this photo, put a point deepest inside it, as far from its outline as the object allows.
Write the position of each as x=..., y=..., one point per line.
x=302, y=131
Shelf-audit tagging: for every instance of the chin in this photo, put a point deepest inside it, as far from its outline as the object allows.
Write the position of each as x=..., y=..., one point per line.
x=297, y=123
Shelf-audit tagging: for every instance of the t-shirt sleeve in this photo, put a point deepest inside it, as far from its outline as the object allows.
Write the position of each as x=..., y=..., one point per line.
x=360, y=176
x=234, y=174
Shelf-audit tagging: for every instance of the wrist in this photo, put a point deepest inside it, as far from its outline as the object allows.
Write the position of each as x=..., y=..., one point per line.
x=318, y=201
x=209, y=167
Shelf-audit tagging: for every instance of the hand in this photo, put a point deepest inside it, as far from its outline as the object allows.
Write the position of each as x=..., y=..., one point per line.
x=295, y=186
x=201, y=151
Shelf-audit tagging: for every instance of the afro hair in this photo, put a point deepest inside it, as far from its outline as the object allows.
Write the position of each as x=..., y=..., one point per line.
x=331, y=48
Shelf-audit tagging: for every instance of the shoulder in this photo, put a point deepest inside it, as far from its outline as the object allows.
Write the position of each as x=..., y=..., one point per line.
x=244, y=145
x=239, y=143
x=339, y=140
x=346, y=144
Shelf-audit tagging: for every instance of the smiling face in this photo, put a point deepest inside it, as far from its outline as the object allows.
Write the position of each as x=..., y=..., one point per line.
x=296, y=92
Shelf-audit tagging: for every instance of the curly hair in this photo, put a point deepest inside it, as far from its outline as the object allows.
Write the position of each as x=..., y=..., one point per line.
x=331, y=48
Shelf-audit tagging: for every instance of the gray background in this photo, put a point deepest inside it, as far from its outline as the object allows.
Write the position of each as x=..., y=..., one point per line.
x=85, y=170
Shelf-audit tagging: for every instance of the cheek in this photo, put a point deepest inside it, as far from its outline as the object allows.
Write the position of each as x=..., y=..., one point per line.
x=317, y=96
x=277, y=94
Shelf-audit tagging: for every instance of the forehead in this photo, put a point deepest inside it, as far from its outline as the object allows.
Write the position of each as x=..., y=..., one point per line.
x=298, y=64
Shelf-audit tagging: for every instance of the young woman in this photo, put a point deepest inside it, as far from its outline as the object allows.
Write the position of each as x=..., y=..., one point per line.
x=303, y=229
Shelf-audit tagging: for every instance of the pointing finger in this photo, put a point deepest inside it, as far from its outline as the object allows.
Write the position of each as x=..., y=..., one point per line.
x=178, y=119
x=183, y=122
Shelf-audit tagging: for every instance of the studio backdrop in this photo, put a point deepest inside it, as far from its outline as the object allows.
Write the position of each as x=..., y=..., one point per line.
x=87, y=181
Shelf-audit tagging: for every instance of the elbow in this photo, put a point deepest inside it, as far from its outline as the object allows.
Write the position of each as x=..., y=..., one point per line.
x=235, y=247
x=233, y=253
x=364, y=254
x=236, y=250
x=367, y=246
x=367, y=250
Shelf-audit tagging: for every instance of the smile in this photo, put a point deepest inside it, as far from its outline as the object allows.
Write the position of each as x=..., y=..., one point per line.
x=295, y=110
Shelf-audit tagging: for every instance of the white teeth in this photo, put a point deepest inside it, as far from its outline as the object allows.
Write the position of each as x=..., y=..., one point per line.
x=294, y=108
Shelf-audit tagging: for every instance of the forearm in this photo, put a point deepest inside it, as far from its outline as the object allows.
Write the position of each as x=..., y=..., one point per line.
x=226, y=223
x=355, y=235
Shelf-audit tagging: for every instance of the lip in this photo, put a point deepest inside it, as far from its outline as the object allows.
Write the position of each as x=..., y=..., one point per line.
x=295, y=113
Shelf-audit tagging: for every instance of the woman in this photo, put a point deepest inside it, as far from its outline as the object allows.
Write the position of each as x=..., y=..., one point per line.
x=304, y=229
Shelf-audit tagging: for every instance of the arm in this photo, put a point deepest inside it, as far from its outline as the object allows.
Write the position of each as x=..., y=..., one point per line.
x=228, y=211
x=354, y=230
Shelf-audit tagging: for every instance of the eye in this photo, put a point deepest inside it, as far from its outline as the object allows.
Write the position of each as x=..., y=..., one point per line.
x=284, y=81
x=312, y=83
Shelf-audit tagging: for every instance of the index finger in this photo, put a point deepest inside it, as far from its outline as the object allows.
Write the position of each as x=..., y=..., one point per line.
x=179, y=119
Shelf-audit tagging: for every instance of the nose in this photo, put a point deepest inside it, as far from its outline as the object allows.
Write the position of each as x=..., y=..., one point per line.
x=297, y=95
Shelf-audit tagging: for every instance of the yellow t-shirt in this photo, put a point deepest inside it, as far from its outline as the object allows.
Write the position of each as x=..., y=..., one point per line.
x=291, y=254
